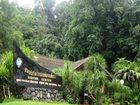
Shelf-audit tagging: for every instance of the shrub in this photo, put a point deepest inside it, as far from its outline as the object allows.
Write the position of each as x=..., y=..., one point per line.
x=130, y=73
x=95, y=62
x=96, y=85
x=119, y=92
x=72, y=82
x=30, y=53
x=3, y=71
x=7, y=60
x=127, y=71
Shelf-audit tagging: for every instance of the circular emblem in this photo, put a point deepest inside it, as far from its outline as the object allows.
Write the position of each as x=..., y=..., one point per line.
x=19, y=62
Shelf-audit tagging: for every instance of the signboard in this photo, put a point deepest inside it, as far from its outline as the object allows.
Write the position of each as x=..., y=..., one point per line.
x=30, y=74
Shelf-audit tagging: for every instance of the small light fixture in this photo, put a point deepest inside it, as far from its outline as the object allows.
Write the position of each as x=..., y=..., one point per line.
x=19, y=62
x=122, y=81
x=86, y=94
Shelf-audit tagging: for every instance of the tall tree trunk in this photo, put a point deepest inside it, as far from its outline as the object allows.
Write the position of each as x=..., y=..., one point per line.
x=8, y=90
x=4, y=93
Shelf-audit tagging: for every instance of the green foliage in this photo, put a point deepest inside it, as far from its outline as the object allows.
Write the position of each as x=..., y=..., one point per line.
x=121, y=64
x=3, y=71
x=93, y=80
x=49, y=46
x=11, y=99
x=67, y=74
x=72, y=82
x=80, y=27
x=120, y=93
x=31, y=102
x=77, y=29
x=63, y=18
x=96, y=78
x=8, y=31
x=128, y=71
x=108, y=27
x=78, y=81
x=96, y=83
x=95, y=62
x=82, y=39
x=136, y=36
x=30, y=53
x=6, y=65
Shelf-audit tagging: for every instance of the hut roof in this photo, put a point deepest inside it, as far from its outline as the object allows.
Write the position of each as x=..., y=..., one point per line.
x=53, y=63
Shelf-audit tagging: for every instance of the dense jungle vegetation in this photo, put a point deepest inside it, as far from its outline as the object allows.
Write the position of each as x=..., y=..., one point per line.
x=106, y=30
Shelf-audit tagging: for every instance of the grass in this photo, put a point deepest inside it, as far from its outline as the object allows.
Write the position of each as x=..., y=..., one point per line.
x=30, y=102
x=15, y=101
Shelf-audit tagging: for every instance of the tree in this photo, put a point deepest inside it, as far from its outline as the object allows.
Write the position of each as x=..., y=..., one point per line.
x=48, y=46
x=83, y=37
x=48, y=8
x=7, y=30
x=62, y=19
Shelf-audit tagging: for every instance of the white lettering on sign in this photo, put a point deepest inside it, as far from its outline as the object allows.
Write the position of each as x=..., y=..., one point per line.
x=38, y=74
x=33, y=78
x=37, y=82
x=27, y=81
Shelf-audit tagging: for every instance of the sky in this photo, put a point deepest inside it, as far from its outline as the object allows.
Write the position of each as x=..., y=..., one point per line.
x=30, y=3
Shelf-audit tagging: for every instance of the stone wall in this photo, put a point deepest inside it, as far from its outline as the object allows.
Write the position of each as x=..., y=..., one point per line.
x=42, y=94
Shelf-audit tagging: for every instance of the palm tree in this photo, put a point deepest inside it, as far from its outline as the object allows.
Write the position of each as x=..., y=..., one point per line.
x=127, y=71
